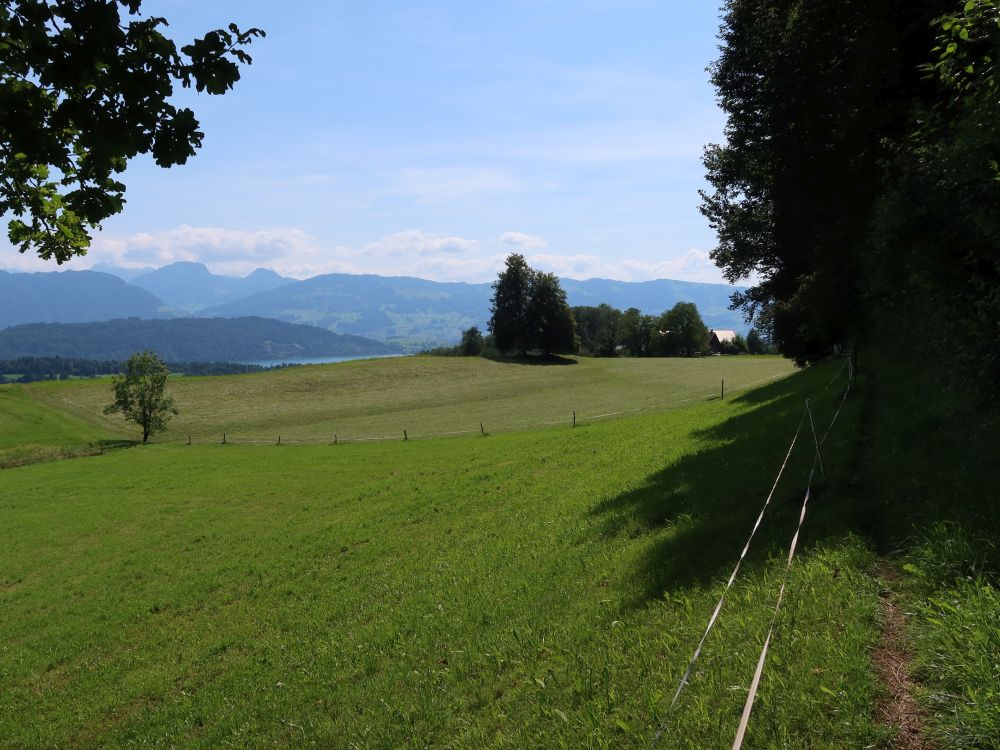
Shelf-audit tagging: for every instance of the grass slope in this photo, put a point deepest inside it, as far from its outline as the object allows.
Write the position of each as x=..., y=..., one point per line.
x=536, y=589
x=29, y=428
x=423, y=395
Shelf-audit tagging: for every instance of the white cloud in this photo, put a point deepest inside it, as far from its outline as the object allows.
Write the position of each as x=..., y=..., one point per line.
x=522, y=240
x=416, y=242
x=413, y=252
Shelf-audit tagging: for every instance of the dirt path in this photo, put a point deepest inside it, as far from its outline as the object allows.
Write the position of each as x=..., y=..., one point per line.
x=898, y=708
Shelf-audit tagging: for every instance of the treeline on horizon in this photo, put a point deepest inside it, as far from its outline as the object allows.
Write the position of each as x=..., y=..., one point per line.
x=35, y=369
x=860, y=176
x=530, y=315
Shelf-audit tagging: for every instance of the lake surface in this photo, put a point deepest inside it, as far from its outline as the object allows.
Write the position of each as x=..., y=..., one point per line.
x=315, y=360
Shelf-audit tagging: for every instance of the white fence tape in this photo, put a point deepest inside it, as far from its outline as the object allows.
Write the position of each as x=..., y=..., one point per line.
x=755, y=682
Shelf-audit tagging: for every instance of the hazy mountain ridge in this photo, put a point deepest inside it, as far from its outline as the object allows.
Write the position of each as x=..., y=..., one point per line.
x=416, y=312
x=72, y=297
x=184, y=339
x=408, y=311
x=191, y=287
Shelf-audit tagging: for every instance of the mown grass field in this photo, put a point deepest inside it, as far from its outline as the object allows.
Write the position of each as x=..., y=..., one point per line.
x=423, y=395
x=533, y=589
x=29, y=427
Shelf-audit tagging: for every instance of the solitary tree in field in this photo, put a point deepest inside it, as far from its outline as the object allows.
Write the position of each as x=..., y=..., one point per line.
x=139, y=394
x=511, y=294
x=86, y=85
x=529, y=311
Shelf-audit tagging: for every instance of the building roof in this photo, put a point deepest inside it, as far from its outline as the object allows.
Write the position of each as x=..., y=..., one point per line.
x=724, y=336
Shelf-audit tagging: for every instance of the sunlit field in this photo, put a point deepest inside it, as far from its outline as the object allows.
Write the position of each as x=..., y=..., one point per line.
x=534, y=589
x=422, y=395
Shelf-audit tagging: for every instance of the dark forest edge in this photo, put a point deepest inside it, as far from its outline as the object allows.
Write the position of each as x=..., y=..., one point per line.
x=860, y=174
x=858, y=183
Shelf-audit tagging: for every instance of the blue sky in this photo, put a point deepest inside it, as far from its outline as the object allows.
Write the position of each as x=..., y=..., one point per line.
x=433, y=138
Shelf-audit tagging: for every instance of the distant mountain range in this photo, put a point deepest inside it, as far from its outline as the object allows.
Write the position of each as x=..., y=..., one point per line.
x=72, y=297
x=185, y=340
x=191, y=287
x=410, y=312
x=415, y=312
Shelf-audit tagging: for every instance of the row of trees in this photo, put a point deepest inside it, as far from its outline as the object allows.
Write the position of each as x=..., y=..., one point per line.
x=605, y=331
x=530, y=313
x=860, y=175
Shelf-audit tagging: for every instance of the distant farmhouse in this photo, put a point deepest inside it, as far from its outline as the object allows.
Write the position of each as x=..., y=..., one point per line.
x=718, y=339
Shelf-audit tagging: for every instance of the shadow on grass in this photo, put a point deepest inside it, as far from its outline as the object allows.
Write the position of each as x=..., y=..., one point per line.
x=538, y=359
x=703, y=506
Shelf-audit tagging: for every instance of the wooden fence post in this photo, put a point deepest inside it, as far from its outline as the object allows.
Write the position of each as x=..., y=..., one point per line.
x=574, y=419
x=405, y=436
x=723, y=389
x=481, y=428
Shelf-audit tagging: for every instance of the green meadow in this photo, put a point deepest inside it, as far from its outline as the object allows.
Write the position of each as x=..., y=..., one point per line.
x=527, y=588
x=532, y=589
x=423, y=395
x=30, y=428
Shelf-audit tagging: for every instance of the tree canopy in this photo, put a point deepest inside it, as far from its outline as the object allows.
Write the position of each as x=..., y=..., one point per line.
x=139, y=394
x=529, y=311
x=509, y=305
x=85, y=85
x=858, y=178
x=552, y=329
x=681, y=331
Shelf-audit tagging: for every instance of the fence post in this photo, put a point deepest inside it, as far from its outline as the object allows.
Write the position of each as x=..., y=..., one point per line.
x=223, y=438
x=279, y=439
x=189, y=440
x=405, y=436
x=481, y=428
x=334, y=439
x=723, y=389
x=574, y=419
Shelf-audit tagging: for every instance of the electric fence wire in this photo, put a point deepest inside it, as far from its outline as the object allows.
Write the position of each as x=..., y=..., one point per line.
x=746, y=548
x=755, y=682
